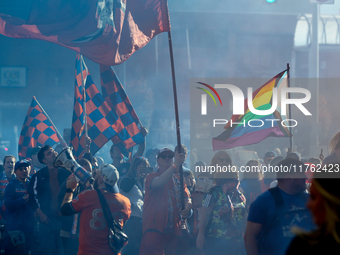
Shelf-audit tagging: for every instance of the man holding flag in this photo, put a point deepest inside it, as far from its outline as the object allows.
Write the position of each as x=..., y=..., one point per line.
x=162, y=212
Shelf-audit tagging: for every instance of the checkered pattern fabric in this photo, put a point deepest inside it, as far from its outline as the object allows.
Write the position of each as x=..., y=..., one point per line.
x=37, y=130
x=102, y=123
x=114, y=94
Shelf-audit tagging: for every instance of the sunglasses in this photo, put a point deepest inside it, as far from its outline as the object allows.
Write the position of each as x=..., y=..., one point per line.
x=166, y=156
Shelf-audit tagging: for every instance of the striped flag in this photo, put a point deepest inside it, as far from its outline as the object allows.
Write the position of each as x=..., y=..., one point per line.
x=240, y=135
x=37, y=130
x=114, y=94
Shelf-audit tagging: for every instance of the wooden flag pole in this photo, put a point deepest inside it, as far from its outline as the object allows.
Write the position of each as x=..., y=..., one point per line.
x=62, y=141
x=289, y=110
x=179, y=145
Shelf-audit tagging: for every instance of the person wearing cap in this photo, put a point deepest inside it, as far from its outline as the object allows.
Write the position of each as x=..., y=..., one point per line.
x=324, y=204
x=43, y=189
x=276, y=211
x=20, y=219
x=162, y=212
x=93, y=236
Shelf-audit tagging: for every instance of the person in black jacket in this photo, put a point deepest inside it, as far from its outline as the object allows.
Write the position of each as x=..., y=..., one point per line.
x=43, y=194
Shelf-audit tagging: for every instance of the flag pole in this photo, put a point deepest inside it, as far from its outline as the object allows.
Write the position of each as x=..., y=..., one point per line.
x=179, y=145
x=289, y=109
x=84, y=93
x=62, y=141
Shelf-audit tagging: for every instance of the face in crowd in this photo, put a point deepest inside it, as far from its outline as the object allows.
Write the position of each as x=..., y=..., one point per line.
x=165, y=160
x=9, y=164
x=49, y=156
x=23, y=172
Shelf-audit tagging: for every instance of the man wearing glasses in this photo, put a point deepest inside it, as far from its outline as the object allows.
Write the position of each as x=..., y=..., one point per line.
x=162, y=205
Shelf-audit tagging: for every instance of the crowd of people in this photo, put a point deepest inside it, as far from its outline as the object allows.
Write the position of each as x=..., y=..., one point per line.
x=46, y=210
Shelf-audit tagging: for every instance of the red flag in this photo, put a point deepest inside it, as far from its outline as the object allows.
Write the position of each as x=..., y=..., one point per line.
x=107, y=32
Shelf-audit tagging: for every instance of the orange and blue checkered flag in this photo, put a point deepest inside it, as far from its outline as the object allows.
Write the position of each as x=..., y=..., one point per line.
x=37, y=130
x=114, y=94
x=102, y=123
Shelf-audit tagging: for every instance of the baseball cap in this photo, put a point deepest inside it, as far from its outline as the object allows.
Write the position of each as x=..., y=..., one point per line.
x=270, y=154
x=165, y=151
x=21, y=163
x=110, y=174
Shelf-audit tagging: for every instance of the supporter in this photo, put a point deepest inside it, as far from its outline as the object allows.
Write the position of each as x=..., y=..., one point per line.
x=268, y=177
x=162, y=205
x=151, y=155
x=184, y=150
x=20, y=219
x=273, y=213
x=118, y=158
x=334, y=150
x=277, y=151
x=70, y=224
x=132, y=186
x=251, y=182
x=293, y=155
x=275, y=161
x=324, y=204
x=189, y=180
x=222, y=218
x=5, y=177
x=43, y=190
x=100, y=161
x=93, y=236
x=36, y=166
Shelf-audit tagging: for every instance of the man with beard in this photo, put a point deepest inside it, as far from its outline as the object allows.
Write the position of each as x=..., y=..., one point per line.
x=43, y=198
x=93, y=236
x=20, y=218
x=276, y=211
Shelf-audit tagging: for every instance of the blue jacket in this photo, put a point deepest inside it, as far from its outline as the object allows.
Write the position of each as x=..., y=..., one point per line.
x=20, y=216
